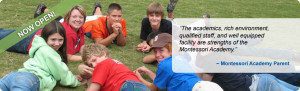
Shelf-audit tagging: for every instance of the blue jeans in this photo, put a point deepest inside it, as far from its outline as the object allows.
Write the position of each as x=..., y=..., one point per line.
x=20, y=81
x=4, y=32
x=269, y=82
x=291, y=78
x=21, y=46
x=130, y=85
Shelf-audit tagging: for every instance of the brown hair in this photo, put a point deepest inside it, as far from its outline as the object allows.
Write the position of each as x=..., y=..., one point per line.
x=94, y=50
x=113, y=6
x=169, y=46
x=155, y=8
x=52, y=28
x=77, y=7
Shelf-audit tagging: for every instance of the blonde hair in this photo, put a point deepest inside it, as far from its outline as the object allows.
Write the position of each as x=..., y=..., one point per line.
x=77, y=7
x=94, y=50
x=155, y=8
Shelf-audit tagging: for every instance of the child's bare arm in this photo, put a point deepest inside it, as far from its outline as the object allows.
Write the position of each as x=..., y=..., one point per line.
x=85, y=70
x=147, y=83
x=205, y=77
x=94, y=87
x=146, y=71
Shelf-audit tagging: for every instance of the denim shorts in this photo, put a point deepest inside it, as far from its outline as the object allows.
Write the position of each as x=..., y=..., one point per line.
x=130, y=85
x=20, y=81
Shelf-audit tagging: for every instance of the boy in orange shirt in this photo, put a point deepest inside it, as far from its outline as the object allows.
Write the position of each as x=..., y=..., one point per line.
x=109, y=29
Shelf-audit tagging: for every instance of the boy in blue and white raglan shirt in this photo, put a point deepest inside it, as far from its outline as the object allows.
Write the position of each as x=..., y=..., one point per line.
x=165, y=78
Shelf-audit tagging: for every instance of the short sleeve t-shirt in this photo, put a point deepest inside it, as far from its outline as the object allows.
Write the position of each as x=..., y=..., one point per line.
x=167, y=79
x=111, y=74
x=99, y=28
x=165, y=27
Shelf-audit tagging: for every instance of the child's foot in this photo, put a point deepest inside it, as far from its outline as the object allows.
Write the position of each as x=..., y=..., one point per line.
x=170, y=15
x=206, y=15
x=40, y=10
x=97, y=9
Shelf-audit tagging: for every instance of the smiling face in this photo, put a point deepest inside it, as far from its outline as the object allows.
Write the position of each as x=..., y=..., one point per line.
x=55, y=41
x=76, y=19
x=161, y=53
x=154, y=20
x=114, y=16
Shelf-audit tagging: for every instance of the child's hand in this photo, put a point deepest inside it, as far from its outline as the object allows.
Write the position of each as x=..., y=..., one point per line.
x=117, y=27
x=140, y=46
x=85, y=70
x=137, y=73
x=79, y=78
x=146, y=48
x=142, y=70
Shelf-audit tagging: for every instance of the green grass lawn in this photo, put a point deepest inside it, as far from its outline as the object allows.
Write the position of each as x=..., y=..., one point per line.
x=14, y=13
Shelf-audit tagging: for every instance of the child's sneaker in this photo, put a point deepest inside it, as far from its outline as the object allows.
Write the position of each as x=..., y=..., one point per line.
x=97, y=4
x=39, y=10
